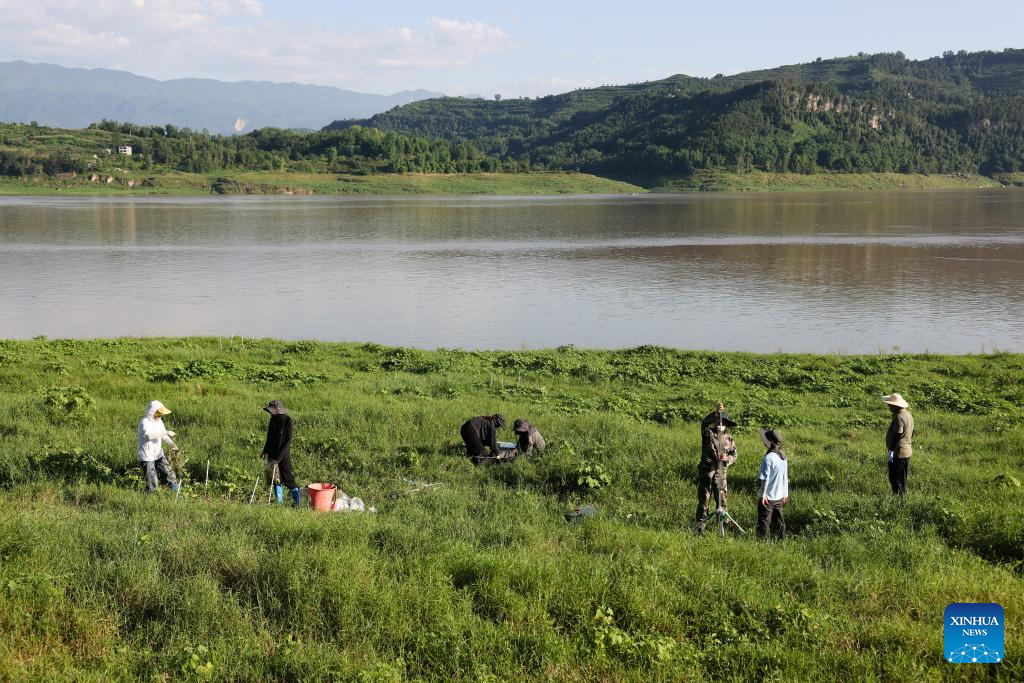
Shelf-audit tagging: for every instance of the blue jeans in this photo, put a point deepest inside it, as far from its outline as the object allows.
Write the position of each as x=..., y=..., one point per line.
x=152, y=481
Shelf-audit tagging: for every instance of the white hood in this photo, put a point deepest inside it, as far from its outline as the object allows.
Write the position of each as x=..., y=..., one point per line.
x=152, y=408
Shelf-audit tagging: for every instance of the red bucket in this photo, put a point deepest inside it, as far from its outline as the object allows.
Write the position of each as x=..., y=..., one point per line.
x=321, y=496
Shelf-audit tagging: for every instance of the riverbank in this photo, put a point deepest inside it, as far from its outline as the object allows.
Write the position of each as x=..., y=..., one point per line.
x=295, y=183
x=720, y=181
x=472, y=572
x=534, y=183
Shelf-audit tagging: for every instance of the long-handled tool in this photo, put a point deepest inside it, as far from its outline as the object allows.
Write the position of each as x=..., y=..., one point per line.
x=255, y=486
x=273, y=481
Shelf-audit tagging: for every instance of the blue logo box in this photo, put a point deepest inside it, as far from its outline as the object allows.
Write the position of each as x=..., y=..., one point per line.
x=973, y=633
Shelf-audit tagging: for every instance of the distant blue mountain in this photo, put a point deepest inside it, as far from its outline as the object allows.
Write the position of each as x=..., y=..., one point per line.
x=73, y=98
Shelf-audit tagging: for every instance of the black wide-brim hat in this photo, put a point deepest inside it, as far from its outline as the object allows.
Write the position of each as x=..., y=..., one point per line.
x=276, y=407
x=770, y=437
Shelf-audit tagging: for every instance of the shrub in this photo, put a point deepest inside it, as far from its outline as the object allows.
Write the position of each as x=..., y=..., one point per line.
x=956, y=397
x=590, y=476
x=74, y=464
x=609, y=639
x=67, y=404
x=195, y=369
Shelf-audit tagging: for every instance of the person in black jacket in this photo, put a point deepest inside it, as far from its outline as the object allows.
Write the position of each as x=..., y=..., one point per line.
x=481, y=432
x=278, y=452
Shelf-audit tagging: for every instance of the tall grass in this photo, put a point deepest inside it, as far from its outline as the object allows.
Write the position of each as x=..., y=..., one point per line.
x=480, y=576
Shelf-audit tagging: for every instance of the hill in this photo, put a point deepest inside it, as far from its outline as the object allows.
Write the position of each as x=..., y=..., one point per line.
x=28, y=150
x=171, y=160
x=73, y=98
x=961, y=112
x=474, y=573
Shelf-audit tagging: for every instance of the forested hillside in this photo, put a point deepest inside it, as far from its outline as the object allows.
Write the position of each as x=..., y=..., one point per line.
x=962, y=112
x=27, y=150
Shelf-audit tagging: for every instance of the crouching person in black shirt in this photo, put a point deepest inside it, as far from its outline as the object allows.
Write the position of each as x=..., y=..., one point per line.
x=480, y=433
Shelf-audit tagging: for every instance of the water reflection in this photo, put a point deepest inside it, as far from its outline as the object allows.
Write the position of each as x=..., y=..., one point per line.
x=848, y=272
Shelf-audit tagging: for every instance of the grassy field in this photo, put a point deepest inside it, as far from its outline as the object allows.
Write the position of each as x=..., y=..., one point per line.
x=717, y=181
x=288, y=182
x=1012, y=179
x=480, y=577
x=535, y=183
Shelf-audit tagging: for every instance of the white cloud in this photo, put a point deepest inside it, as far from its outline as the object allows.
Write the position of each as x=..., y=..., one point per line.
x=232, y=39
x=464, y=34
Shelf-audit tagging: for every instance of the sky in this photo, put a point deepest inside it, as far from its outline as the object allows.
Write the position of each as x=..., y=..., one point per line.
x=462, y=47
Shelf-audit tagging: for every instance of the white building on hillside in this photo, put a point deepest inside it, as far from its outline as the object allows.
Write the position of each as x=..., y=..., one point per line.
x=125, y=149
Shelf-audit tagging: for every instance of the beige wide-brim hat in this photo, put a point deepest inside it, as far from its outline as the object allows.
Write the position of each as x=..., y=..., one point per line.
x=895, y=399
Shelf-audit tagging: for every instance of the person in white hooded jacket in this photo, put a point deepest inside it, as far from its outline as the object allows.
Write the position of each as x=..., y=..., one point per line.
x=152, y=434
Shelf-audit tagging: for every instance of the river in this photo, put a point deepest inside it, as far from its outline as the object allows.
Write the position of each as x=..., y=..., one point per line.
x=842, y=272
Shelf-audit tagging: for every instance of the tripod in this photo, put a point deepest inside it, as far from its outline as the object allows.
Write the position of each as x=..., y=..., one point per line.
x=721, y=514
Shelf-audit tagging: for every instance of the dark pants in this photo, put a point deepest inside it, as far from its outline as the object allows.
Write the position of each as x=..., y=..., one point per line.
x=898, y=470
x=285, y=473
x=474, y=446
x=770, y=516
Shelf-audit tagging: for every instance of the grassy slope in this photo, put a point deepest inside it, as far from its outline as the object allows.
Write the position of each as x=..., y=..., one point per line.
x=270, y=182
x=721, y=181
x=480, y=577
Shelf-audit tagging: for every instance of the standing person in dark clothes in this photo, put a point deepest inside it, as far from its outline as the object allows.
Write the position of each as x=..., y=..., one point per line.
x=278, y=452
x=481, y=432
x=897, y=442
x=774, y=492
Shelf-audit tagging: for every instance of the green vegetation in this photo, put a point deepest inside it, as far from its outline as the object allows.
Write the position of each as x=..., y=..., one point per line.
x=723, y=181
x=166, y=160
x=27, y=150
x=864, y=122
x=883, y=113
x=283, y=182
x=479, y=577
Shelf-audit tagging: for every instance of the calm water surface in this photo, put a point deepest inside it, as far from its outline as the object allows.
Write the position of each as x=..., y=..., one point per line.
x=843, y=272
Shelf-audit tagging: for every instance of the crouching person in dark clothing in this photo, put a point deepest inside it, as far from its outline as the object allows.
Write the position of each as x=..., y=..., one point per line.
x=480, y=433
x=277, y=452
x=774, y=478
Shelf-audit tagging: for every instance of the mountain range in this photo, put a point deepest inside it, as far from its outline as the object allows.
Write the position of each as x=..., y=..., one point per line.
x=73, y=98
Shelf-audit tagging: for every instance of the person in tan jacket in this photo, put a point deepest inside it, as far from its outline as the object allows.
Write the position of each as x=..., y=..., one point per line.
x=897, y=442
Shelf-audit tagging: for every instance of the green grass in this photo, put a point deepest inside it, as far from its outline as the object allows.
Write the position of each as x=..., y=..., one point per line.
x=1011, y=179
x=534, y=183
x=720, y=181
x=282, y=182
x=480, y=577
